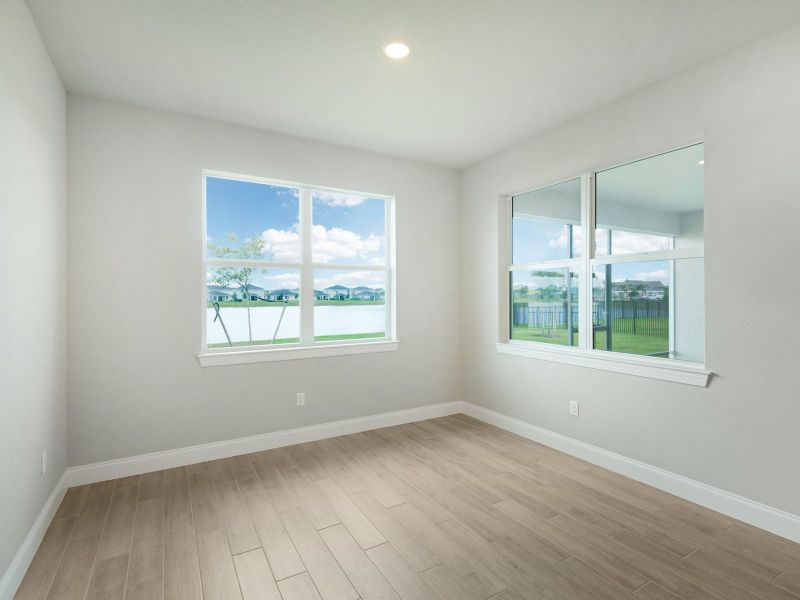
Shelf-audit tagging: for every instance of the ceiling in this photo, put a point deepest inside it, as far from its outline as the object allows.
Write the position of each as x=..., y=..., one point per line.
x=483, y=75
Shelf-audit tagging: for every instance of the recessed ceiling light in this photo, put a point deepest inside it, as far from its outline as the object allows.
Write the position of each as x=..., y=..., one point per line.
x=701, y=162
x=396, y=50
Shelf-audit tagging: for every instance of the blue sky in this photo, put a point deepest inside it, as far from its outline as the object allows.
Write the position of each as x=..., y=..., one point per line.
x=347, y=228
x=364, y=216
x=247, y=208
x=536, y=241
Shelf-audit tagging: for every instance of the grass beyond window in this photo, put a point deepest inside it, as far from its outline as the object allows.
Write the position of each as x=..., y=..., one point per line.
x=320, y=338
x=556, y=335
x=621, y=342
x=632, y=343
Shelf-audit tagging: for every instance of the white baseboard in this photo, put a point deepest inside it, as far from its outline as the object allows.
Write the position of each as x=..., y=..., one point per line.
x=22, y=560
x=168, y=459
x=760, y=515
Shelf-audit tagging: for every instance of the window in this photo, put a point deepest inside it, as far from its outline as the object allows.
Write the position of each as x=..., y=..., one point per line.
x=294, y=267
x=545, y=249
x=635, y=286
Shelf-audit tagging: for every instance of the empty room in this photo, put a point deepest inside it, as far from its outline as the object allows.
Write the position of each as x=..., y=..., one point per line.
x=409, y=300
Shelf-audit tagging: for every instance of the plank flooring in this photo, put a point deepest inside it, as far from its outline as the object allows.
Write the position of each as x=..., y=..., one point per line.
x=445, y=509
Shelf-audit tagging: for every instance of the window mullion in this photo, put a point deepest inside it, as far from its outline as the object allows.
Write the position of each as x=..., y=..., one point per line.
x=306, y=271
x=548, y=264
x=661, y=255
x=585, y=272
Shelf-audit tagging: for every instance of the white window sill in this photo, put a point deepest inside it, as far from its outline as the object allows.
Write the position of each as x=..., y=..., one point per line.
x=240, y=357
x=640, y=366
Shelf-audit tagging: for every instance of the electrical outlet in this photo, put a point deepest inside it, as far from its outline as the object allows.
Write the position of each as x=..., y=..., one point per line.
x=573, y=408
x=44, y=462
x=301, y=399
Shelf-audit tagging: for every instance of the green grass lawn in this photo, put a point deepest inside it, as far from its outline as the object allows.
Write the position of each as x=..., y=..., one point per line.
x=544, y=336
x=622, y=342
x=350, y=336
x=632, y=344
x=254, y=303
x=319, y=338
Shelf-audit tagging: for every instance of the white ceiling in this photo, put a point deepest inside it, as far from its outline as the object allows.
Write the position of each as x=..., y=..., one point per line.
x=482, y=75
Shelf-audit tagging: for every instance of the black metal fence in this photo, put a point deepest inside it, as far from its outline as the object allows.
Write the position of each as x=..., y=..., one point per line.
x=545, y=315
x=637, y=317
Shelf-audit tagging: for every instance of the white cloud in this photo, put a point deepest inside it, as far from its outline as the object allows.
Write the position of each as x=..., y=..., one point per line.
x=338, y=198
x=329, y=245
x=283, y=280
x=661, y=275
x=282, y=244
x=626, y=242
x=561, y=240
x=333, y=244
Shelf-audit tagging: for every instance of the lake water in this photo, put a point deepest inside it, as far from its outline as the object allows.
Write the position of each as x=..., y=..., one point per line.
x=328, y=320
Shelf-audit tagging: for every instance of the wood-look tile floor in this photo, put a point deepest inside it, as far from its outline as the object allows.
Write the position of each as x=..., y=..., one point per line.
x=447, y=509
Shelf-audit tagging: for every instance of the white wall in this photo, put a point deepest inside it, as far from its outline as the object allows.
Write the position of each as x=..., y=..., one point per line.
x=135, y=384
x=741, y=433
x=32, y=251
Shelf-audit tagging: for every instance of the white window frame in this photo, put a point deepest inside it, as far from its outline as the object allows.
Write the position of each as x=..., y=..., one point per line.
x=691, y=373
x=306, y=347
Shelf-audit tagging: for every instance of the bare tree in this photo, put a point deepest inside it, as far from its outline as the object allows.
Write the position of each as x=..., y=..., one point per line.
x=239, y=276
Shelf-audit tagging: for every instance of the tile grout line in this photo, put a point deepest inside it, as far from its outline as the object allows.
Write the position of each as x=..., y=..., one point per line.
x=66, y=545
x=100, y=539
x=283, y=525
x=133, y=536
x=194, y=528
x=164, y=534
x=648, y=582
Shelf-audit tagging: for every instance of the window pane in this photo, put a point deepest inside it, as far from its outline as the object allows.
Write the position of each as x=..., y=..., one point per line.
x=652, y=204
x=349, y=305
x=546, y=223
x=627, y=242
x=248, y=220
x=348, y=229
x=639, y=313
x=254, y=306
x=544, y=306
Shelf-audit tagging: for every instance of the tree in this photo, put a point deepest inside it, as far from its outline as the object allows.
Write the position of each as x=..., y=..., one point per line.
x=250, y=249
x=634, y=289
x=550, y=292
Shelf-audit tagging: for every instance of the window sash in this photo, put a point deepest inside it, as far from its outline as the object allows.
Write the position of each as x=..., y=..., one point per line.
x=306, y=266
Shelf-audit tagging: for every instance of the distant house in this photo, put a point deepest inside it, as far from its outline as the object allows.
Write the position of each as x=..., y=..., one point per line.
x=281, y=295
x=337, y=292
x=218, y=293
x=634, y=289
x=367, y=295
x=253, y=292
